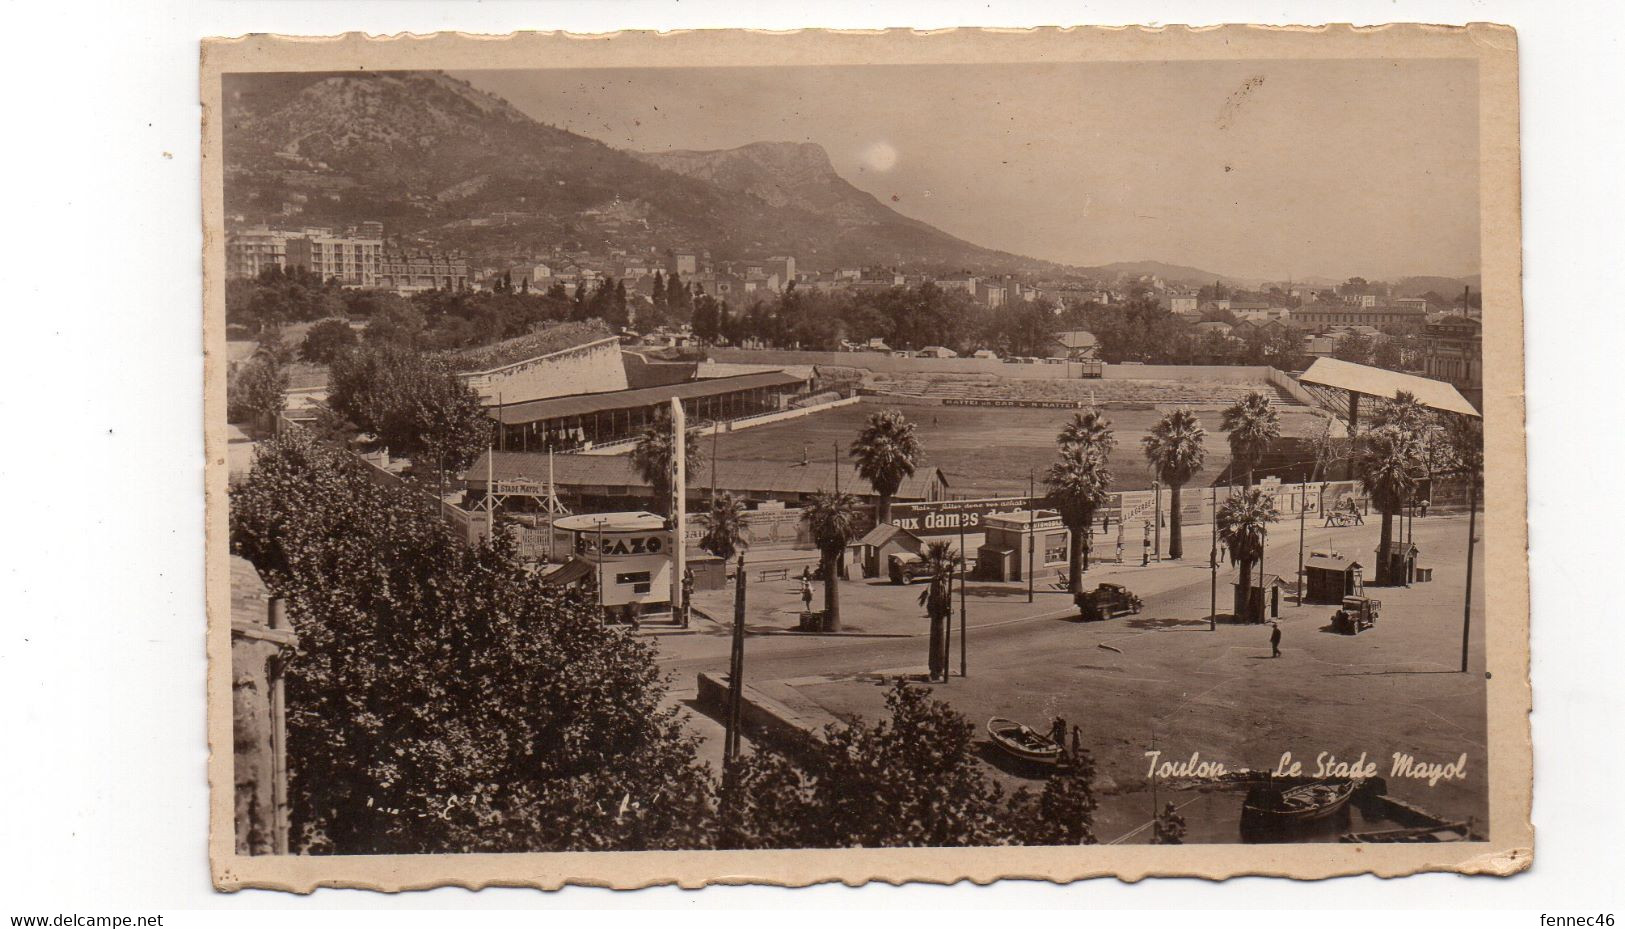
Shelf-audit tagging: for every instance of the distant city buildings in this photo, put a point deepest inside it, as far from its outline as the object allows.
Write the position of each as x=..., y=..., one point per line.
x=1453, y=351
x=352, y=260
x=409, y=274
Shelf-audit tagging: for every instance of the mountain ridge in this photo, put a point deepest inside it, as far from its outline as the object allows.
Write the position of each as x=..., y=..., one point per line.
x=440, y=161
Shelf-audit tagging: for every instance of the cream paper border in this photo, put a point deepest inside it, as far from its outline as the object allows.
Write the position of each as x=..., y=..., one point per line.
x=1505, y=549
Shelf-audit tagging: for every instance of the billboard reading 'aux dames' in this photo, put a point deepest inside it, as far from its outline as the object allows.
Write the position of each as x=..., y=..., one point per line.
x=944, y=517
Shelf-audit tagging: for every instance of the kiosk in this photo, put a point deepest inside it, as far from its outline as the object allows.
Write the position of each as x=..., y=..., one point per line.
x=631, y=553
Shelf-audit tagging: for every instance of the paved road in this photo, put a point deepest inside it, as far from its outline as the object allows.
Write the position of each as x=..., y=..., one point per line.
x=1167, y=683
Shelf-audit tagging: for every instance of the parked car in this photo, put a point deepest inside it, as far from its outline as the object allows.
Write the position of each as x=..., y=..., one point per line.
x=905, y=568
x=1107, y=601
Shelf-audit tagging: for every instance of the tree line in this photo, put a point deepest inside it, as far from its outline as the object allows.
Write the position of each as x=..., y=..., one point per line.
x=443, y=699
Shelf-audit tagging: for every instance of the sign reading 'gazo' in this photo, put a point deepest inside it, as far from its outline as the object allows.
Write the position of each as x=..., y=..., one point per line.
x=945, y=517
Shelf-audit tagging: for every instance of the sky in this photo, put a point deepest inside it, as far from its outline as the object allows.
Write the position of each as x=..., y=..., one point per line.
x=1266, y=170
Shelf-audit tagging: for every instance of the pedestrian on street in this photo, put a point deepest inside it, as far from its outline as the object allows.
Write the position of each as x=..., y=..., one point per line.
x=1057, y=732
x=806, y=595
x=1275, y=640
x=1424, y=508
x=806, y=574
x=1077, y=742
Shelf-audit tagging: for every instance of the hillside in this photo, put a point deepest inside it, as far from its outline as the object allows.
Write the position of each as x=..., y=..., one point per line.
x=1168, y=272
x=449, y=166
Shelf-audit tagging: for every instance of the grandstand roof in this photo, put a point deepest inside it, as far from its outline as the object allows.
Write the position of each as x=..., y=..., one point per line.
x=586, y=404
x=549, y=341
x=783, y=477
x=1379, y=382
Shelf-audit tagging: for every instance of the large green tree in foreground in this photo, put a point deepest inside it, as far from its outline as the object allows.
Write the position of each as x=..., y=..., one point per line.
x=442, y=699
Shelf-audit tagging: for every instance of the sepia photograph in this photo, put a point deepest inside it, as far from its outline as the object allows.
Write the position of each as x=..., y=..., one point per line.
x=844, y=457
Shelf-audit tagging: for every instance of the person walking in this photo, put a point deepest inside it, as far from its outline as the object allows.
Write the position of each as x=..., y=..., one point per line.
x=806, y=595
x=1057, y=732
x=1275, y=640
x=1077, y=743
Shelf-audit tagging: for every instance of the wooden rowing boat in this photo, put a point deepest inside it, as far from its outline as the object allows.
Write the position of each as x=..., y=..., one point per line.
x=1300, y=803
x=1022, y=742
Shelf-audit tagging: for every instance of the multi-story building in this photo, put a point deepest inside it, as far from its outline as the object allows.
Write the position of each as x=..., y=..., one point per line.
x=410, y=274
x=250, y=251
x=1453, y=350
x=1314, y=317
x=353, y=260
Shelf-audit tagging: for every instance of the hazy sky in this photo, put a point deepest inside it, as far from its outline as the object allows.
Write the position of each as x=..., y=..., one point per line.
x=1257, y=169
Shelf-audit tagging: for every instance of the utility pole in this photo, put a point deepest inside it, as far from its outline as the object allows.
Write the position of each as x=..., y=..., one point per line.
x=1303, y=510
x=1156, y=516
x=963, y=621
x=1213, y=564
x=1032, y=530
x=1467, y=598
x=736, y=668
x=678, y=506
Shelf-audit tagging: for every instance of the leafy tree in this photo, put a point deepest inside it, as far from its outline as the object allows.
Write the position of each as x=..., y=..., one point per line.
x=1354, y=346
x=1244, y=520
x=413, y=404
x=1169, y=828
x=1253, y=426
x=442, y=699
x=833, y=519
x=653, y=453
x=1175, y=454
x=725, y=527
x=1078, y=484
x=398, y=323
x=1089, y=430
x=938, y=601
x=886, y=452
x=257, y=389
x=1388, y=460
x=325, y=340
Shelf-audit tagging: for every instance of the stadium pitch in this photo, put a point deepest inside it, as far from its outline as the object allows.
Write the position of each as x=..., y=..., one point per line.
x=986, y=451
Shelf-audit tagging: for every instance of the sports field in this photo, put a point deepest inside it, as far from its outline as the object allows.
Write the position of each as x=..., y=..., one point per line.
x=986, y=450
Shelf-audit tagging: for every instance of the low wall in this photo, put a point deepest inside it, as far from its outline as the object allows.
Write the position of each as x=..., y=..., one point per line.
x=887, y=364
x=793, y=729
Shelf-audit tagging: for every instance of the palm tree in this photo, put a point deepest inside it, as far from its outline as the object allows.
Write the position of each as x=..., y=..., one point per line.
x=1078, y=482
x=1089, y=429
x=1174, y=451
x=832, y=518
x=652, y=457
x=1389, y=462
x=1244, y=521
x=1253, y=426
x=725, y=527
x=886, y=452
x=938, y=601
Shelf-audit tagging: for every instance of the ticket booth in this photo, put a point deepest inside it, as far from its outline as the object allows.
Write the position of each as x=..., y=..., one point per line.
x=1004, y=554
x=631, y=556
x=1329, y=577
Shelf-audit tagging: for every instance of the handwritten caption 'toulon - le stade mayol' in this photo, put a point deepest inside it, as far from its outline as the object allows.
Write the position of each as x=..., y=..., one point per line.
x=1326, y=764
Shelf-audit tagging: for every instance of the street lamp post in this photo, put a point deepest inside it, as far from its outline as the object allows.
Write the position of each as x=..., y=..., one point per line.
x=963, y=613
x=1213, y=565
